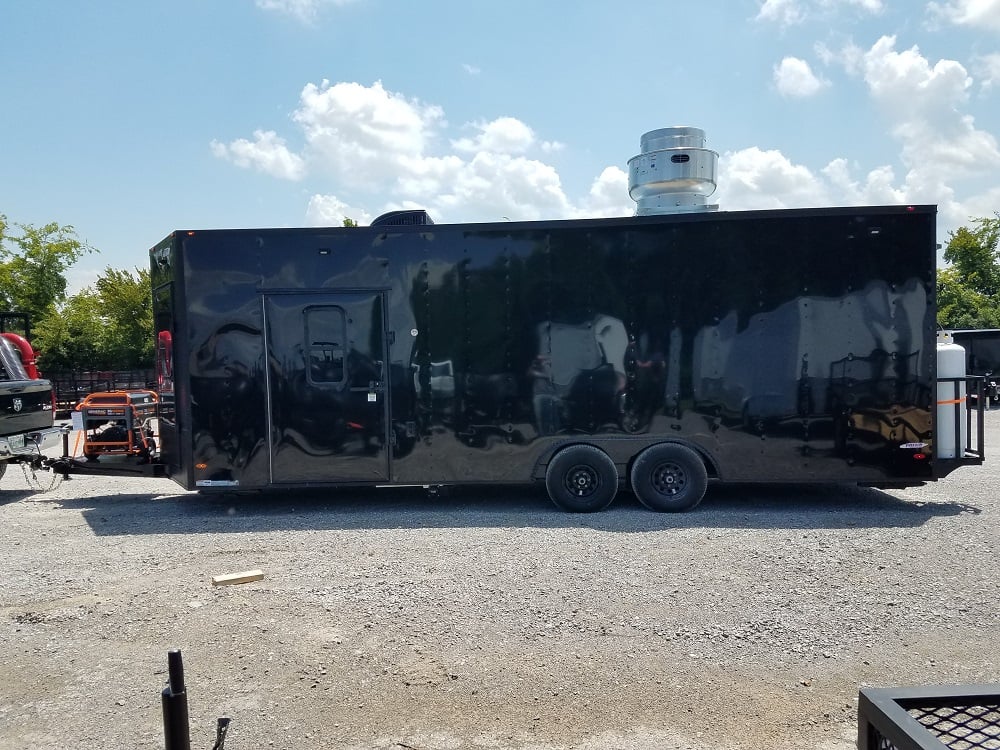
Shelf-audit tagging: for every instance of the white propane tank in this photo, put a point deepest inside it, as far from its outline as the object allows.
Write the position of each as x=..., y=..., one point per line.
x=950, y=364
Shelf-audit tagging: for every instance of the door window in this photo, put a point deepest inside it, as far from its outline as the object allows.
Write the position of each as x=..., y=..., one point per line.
x=326, y=336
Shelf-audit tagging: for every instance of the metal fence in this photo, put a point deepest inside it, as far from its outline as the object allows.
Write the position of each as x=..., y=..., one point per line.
x=962, y=717
x=70, y=387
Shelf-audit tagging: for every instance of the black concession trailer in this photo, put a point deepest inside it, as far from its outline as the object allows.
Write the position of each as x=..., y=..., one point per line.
x=651, y=352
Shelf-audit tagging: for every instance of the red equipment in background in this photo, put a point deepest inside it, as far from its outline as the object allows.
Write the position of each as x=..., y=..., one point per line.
x=25, y=351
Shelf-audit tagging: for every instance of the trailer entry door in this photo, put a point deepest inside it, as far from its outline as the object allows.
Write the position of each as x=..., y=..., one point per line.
x=327, y=409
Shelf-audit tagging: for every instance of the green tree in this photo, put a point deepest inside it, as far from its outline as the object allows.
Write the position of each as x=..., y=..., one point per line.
x=126, y=305
x=960, y=306
x=968, y=291
x=33, y=263
x=348, y=222
x=108, y=326
x=67, y=339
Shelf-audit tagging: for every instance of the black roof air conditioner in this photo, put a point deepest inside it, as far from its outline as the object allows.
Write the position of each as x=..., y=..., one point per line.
x=409, y=217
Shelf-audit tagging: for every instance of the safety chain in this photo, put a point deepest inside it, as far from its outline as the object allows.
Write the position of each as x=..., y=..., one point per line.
x=31, y=477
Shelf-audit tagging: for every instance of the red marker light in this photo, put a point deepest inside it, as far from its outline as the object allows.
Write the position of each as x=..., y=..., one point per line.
x=919, y=456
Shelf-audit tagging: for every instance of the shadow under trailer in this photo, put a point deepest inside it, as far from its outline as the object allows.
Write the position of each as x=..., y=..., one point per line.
x=657, y=351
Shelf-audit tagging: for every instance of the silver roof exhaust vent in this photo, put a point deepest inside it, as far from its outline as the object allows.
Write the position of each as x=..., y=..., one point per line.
x=675, y=173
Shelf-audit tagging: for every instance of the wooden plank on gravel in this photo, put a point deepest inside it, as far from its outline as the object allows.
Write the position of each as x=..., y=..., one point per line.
x=230, y=579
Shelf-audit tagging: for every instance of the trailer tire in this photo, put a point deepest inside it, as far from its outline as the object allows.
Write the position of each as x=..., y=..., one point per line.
x=581, y=479
x=669, y=478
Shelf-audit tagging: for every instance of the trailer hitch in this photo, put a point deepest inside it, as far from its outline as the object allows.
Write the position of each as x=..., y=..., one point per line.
x=176, y=730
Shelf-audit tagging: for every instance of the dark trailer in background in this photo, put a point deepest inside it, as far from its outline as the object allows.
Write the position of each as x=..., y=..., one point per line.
x=982, y=349
x=982, y=358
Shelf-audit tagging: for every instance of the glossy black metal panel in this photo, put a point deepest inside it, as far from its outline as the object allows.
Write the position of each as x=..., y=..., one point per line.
x=326, y=387
x=785, y=346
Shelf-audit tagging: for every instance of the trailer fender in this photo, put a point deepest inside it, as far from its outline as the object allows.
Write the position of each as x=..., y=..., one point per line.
x=712, y=467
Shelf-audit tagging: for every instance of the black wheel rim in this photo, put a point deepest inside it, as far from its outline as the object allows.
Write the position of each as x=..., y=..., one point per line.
x=582, y=480
x=668, y=478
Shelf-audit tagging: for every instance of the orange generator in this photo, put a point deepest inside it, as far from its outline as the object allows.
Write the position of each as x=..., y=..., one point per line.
x=118, y=423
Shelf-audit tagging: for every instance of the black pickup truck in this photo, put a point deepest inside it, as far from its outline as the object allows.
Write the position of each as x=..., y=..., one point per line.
x=27, y=416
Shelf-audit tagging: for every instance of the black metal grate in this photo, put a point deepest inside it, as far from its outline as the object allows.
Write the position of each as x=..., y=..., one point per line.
x=973, y=727
x=963, y=717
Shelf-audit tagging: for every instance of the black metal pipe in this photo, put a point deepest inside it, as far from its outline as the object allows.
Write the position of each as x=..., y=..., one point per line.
x=176, y=727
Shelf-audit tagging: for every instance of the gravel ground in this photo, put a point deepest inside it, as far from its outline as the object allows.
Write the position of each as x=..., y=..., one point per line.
x=487, y=618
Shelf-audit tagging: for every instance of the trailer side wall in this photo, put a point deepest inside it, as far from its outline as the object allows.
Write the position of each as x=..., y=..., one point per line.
x=784, y=346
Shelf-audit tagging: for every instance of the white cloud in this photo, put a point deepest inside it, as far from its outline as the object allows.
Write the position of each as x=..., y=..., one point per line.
x=984, y=204
x=495, y=185
x=794, y=78
x=784, y=12
x=504, y=135
x=980, y=14
x=923, y=105
x=266, y=153
x=303, y=10
x=472, y=70
x=380, y=146
x=877, y=188
x=791, y=12
x=608, y=196
x=850, y=56
x=330, y=211
x=907, y=85
x=364, y=134
x=753, y=178
x=383, y=150
x=987, y=67
x=871, y=6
